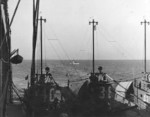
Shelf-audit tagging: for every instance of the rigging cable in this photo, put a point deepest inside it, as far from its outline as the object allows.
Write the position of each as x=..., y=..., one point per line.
x=67, y=55
x=81, y=48
x=44, y=45
x=16, y=91
x=63, y=48
x=10, y=24
x=114, y=41
x=69, y=59
x=4, y=61
x=63, y=52
x=60, y=43
x=56, y=52
x=46, y=36
x=53, y=48
x=14, y=12
x=126, y=90
x=62, y=61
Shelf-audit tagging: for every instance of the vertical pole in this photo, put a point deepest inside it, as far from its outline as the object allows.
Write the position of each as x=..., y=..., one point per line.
x=33, y=11
x=93, y=29
x=10, y=69
x=41, y=19
x=41, y=48
x=145, y=45
x=1, y=109
x=35, y=27
x=145, y=22
x=0, y=52
x=33, y=47
x=93, y=50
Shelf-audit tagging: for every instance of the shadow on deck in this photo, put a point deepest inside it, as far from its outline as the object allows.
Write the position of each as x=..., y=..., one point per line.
x=14, y=110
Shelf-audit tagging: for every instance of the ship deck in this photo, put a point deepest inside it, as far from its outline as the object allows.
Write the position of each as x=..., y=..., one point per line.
x=14, y=110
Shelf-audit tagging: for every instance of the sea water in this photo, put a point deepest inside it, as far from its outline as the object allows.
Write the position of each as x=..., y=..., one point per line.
x=63, y=70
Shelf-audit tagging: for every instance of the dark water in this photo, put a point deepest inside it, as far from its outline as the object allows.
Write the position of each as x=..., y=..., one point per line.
x=117, y=69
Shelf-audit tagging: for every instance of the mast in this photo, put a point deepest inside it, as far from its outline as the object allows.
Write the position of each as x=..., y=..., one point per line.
x=93, y=29
x=41, y=19
x=0, y=58
x=145, y=22
x=35, y=27
x=4, y=56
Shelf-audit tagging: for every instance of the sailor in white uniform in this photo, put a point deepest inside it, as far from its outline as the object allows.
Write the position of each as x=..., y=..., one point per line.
x=101, y=76
x=48, y=77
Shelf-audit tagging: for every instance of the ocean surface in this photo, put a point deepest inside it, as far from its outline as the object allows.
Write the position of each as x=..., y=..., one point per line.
x=64, y=70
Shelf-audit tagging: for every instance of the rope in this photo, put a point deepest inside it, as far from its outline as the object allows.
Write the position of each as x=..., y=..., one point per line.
x=19, y=90
x=65, y=54
x=79, y=80
x=45, y=46
x=56, y=52
x=52, y=46
x=131, y=95
x=82, y=45
x=16, y=90
x=9, y=25
x=117, y=48
x=130, y=79
x=119, y=94
x=62, y=48
x=14, y=12
x=18, y=95
x=4, y=60
x=126, y=89
x=68, y=57
x=113, y=88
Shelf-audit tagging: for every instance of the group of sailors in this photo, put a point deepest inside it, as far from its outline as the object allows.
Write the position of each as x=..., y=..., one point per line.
x=96, y=89
x=99, y=76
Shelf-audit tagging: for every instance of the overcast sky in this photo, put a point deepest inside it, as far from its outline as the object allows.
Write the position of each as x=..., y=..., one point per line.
x=119, y=34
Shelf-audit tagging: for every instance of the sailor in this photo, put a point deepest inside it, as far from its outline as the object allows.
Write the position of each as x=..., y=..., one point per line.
x=48, y=77
x=93, y=78
x=101, y=76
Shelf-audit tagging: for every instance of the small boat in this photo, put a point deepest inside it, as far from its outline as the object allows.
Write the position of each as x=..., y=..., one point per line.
x=74, y=63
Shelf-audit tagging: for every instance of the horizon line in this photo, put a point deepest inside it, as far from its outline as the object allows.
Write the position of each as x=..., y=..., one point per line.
x=88, y=59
